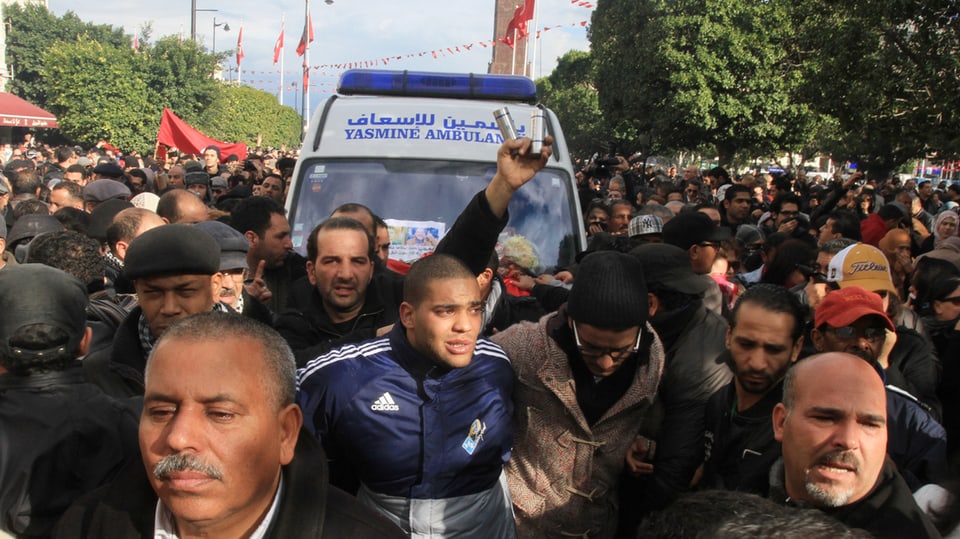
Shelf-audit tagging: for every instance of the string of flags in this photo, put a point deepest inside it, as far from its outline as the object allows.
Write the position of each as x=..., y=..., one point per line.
x=385, y=60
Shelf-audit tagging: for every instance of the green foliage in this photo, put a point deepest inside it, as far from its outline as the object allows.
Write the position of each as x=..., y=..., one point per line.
x=570, y=93
x=100, y=88
x=94, y=90
x=715, y=71
x=178, y=75
x=32, y=29
x=887, y=72
x=242, y=113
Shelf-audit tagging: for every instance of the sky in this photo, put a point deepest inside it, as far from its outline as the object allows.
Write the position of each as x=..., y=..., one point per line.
x=346, y=32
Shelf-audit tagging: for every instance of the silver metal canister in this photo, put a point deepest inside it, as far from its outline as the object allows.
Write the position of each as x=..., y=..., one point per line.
x=505, y=122
x=537, y=126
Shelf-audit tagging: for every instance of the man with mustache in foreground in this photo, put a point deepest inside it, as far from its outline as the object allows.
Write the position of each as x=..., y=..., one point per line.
x=832, y=424
x=222, y=450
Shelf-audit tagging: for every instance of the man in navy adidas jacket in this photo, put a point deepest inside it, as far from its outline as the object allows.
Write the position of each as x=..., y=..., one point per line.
x=422, y=416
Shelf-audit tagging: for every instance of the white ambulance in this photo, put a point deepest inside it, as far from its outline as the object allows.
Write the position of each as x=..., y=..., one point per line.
x=416, y=147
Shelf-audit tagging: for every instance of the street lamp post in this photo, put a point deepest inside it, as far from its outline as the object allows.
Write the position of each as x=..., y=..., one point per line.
x=296, y=95
x=226, y=28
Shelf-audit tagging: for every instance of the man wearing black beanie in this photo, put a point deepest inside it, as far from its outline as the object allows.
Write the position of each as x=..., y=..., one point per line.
x=585, y=379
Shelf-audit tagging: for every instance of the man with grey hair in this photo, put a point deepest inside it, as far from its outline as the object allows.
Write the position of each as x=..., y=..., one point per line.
x=222, y=450
x=832, y=425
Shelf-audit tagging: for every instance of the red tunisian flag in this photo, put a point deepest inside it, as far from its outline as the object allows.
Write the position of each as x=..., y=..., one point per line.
x=177, y=133
x=307, y=36
x=518, y=23
x=278, y=47
x=240, y=46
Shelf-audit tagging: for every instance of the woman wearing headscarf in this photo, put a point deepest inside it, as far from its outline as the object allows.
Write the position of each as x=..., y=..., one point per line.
x=944, y=226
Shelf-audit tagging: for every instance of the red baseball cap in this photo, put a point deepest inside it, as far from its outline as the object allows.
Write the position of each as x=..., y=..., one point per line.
x=845, y=306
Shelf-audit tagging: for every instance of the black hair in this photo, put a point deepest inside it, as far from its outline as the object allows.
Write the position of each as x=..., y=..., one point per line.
x=777, y=205
x=63, y=153
x=254, y=214
x=25, y=182
x=71, y=252
x=775, y=299
x=428, y=270
x=339, y=223
x=846, y=223
x=73, y=219
x=791, y=253
x=732, y=191
x=926, y=274
x=29, y=207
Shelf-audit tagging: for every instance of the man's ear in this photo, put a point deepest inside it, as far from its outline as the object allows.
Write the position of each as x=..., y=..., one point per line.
x=406, y=315
x=796, y=350
x=290, y=420
x=654, y=304
x=779, y=418
x=252, y=238
x=310, y=275
x=816, y=337
x=216, y=283
x=485, y=277
x=84, y=346
x=121, y=249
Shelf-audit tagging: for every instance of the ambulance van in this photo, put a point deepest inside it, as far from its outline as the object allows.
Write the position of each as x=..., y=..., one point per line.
x=416, y=147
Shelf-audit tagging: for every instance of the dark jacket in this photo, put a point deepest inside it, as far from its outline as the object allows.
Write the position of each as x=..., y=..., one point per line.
x=309, y=507
x=947, y=343
x=510, y=309
x=694, y=371
x=309, y=331
x=474, y=234
x=888, y=510
x=916, y=442
x=60, y=438
x=739, y=445
x=118, y=369
x=280, y=280
x=915, y=368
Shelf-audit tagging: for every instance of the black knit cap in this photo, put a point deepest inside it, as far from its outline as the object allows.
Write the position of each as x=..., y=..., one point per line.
x=609, y=292
x=172, y=250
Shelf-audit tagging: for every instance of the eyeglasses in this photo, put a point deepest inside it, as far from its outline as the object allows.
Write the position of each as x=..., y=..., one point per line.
x=789, y=213
x=616, y=354
x=708, y=244
x=954, y=300
x=850, y=332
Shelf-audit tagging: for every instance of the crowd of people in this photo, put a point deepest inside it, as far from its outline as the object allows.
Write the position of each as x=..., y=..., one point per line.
x=761, y=355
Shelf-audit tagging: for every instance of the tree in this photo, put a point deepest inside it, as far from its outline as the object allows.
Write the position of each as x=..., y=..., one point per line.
x=96, y=93
x=569, y=91
x=887, y=73
x=32, y=30
x=178, y=76
x=242, y=113
x=700, y=71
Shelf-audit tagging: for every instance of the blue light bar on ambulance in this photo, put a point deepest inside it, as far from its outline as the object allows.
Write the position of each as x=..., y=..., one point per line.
x=423, y=84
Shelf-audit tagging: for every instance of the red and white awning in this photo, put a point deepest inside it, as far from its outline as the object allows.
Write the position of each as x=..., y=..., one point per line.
x=15, y=112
